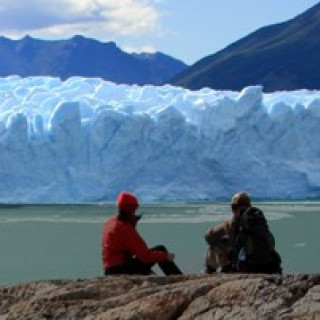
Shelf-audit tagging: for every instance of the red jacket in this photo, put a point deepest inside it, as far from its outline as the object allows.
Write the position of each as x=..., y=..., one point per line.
x=121, y=241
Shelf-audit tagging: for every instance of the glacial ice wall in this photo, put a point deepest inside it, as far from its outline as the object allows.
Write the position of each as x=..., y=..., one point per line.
x=84, y=140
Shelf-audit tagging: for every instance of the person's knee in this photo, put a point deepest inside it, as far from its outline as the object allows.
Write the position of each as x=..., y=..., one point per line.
x=160, y=248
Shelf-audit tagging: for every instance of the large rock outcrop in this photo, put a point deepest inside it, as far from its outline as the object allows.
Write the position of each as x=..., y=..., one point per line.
x=236, y=296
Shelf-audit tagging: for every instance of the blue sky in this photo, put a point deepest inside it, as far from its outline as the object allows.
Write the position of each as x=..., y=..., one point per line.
x=186, y=29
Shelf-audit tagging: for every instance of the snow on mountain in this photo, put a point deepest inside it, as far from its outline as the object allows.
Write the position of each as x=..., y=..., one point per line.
x=85, y=139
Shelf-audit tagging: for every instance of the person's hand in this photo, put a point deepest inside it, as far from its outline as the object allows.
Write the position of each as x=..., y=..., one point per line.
x=171, y=256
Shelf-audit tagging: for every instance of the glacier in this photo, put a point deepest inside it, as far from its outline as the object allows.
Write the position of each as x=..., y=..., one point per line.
x=85, y=139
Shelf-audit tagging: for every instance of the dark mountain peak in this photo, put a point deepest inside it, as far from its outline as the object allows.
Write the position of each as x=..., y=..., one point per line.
x=312, y=13
x=79, y=38
x=5, y=40
x=80, y=41
x=89, y=43
x=82, y=56
x=282, y=56
x=27, y=44
x=27, y=38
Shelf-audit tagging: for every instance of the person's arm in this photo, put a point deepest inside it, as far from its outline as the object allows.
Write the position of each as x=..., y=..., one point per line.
x=136, y=246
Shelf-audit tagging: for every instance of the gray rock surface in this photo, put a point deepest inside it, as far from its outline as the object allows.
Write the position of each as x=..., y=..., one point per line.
x=236, y=296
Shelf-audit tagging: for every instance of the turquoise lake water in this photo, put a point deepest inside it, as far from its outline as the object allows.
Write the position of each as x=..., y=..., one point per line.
x=63, y=241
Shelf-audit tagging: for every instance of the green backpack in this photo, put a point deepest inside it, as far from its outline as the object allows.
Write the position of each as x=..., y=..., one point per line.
x=255, y=244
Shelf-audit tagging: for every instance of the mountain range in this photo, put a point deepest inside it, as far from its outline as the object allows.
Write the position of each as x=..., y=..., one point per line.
x=80, y=56
x=284, y=56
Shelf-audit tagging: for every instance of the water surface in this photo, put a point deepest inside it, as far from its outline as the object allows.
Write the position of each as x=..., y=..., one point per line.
x=40, y=242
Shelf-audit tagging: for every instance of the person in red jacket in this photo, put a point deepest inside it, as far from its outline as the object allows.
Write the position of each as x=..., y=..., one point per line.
x=123, y=249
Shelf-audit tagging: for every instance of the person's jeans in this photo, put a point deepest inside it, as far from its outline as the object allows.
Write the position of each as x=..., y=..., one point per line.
x=135, y=266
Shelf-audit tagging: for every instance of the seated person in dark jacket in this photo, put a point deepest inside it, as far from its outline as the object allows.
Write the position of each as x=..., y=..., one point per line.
x=123, y=249
x=253, y=243
x=244, y=243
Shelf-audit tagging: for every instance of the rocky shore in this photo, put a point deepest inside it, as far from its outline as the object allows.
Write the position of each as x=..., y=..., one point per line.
x=222, y=296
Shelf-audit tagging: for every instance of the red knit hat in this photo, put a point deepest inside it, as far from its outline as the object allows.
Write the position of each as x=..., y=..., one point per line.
x=127, y=202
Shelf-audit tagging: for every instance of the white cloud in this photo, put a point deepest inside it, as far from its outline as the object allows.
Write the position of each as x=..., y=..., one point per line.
x=145, y=48
x=98, y=18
